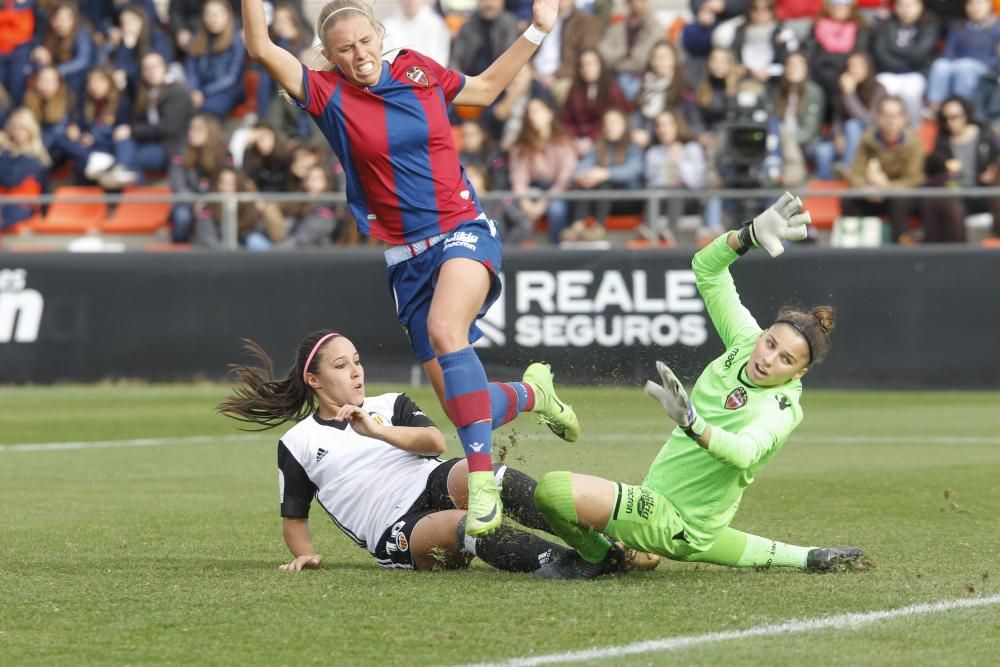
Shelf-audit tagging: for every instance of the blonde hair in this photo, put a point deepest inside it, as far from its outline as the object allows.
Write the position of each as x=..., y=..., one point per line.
x=332, y=12
x=34, y=146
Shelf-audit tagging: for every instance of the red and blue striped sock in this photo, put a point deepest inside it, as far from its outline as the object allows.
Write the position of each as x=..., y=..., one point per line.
x=508, y=400
x=467, y=395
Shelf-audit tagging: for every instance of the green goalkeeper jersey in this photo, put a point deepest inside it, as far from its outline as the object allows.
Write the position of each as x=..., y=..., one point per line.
x=749, y=423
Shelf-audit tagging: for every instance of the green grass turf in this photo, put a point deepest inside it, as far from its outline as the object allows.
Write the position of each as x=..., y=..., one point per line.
x=169, y=554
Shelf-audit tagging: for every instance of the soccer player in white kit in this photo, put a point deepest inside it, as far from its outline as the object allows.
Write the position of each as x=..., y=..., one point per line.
x=372, y=464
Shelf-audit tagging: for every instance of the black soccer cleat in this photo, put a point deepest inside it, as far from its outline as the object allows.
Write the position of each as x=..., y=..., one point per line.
x=572, y=566
x=832, y=559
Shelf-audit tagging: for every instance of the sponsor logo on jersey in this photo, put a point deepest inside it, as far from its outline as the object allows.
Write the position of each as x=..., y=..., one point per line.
x=644, y=506
x=783, y=402
x=417, y=76
x=729, y=359
x=21, y=308
x=629, y=499
x=737, y=399
x=320, y=454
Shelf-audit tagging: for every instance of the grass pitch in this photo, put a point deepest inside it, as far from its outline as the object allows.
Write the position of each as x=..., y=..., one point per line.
x=166, y=551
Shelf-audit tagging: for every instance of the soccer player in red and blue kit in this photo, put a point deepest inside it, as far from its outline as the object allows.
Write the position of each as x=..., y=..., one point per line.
x=388, y=124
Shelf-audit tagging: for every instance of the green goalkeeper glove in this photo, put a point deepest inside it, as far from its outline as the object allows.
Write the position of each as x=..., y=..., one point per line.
x=784, y=220
x=675, y=402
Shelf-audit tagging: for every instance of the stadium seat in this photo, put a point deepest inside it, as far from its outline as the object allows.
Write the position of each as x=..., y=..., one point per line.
x=167, y=247
x=455, y=23
x=251, y=81
x=622, y=223
x=991, y=243
x=928, y=134
x=139, y=217
x=824, y=210
x=69, y=217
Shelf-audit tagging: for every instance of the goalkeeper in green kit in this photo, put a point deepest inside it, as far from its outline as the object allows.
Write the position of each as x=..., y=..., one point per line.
x=741, y=411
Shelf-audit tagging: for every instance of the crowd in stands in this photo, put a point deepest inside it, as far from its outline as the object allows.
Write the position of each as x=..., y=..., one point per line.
x=743, y=93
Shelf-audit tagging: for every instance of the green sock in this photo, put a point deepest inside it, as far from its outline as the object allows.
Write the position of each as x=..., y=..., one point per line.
x=554, y=498
x=738, y=549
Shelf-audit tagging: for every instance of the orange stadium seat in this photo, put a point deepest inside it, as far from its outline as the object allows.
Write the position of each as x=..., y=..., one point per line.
x=251, y=81
x=991, y=243
x=928, y=134
x=65, y=217
x=824, y=210
x=455, y=22
x=139, y=217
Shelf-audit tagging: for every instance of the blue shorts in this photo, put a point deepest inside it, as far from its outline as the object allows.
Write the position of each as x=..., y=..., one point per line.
x=412, y=281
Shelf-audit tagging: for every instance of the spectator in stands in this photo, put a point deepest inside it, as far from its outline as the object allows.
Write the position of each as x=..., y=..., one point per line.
x=287, y=119
x=266, y=159
x=854, y=110
x=185, y=17
x=194, y=170
x=68, y=45
x=50, y=101
x=543, y=158
x=716, y=93
x=484, y=37
x=215, y=61
x=159, y=124
x=970, y=52
x=968, y=150
x=839, y=31
x=503, y=119
x=724, y=11
x=613, y=163
x=890, y=156
x=478, y=150
x=761, y=43
x=6, y=105
x=415, y=25
x=316, y=225
x=798, y=16
x=251, y=227
x=555, y=62
x=17, y=31
x=799, y=105
x=289, y=31
x=105, y=15
x=88, y=135
x=135, y=36
x=515, y=226
x=593, y=93
x=626, y=46
x=25, y=165
x=675, y=163
x=902, y=46
x=696, y=38
x=664, y=88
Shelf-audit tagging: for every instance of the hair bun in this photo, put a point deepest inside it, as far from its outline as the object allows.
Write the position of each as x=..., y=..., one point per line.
x=826, y=317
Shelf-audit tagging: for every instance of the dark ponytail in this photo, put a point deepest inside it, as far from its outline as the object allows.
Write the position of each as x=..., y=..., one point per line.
x=260, y=399
x=814, y=325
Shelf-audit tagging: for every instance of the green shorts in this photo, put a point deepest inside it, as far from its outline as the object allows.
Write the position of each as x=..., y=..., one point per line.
x=645, y=520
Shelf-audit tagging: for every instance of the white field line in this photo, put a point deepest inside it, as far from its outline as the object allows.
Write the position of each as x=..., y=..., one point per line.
x=138, y=442
x=840, y=621
x=651, y=437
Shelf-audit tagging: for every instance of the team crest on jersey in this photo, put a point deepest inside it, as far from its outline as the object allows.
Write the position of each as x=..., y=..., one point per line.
x=397, y=538
x=737, y=399
x=417, y=76
x=377, y=417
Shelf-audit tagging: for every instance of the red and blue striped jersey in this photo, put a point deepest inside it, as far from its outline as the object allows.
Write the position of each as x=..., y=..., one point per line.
x=394, y=140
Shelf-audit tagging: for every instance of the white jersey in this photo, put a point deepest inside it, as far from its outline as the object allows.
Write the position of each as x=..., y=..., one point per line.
x=364, y=484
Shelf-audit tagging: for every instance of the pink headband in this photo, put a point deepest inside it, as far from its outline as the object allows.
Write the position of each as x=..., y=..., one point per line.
x=309, y=359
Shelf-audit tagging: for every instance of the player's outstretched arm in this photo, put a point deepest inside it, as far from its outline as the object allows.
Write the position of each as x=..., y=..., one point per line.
x=280, y=64
x=482, y=90
x=298, y=537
